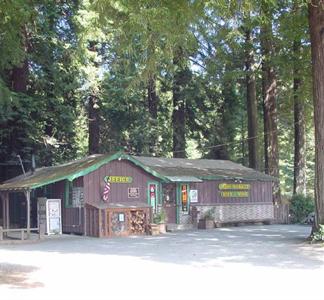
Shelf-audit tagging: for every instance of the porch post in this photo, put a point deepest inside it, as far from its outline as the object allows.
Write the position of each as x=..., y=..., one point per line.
x=7, y=218
x=27, y=193
x=3, y=210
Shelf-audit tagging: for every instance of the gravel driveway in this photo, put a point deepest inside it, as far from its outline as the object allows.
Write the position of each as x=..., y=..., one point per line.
x=247, y=262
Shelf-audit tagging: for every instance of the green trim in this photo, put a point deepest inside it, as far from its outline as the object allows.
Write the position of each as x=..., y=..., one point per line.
x=145, y=168
x=67, y=185
x=213, y=177
x=72, y=176
x=179, y=201
x=84, y=168
x=95, y=166
x=160, y=194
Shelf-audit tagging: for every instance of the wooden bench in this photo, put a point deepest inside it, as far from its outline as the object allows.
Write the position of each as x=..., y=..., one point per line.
x=21, y=230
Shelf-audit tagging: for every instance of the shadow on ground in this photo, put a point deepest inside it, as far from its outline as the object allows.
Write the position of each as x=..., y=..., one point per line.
x=16, y=276
x=280, y=246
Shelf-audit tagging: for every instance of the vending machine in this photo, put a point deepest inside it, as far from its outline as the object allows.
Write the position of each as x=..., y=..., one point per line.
x=49, y=216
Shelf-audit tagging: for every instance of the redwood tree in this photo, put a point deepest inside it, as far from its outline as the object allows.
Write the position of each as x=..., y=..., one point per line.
x=316, y=28
x=299, y=126
x=179, y=106
x=269, y=90
x=251, y=102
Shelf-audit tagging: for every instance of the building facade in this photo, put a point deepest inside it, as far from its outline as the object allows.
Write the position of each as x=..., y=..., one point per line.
x=117, y=195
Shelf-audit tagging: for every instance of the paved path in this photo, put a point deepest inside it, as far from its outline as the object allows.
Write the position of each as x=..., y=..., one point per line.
x=248, y=262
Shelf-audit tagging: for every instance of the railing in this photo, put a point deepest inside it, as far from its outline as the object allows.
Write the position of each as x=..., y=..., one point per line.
x=21, y=230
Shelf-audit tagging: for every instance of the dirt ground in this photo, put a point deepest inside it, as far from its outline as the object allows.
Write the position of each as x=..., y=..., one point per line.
x=247, y=262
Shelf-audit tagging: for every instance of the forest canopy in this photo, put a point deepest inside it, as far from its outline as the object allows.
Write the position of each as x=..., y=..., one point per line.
x=198, y=79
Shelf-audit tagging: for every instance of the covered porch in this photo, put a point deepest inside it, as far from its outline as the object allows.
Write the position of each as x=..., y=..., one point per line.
x=7, y=229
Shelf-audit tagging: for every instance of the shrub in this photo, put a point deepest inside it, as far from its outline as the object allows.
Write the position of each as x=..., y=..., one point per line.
x=159, y=217
x=209, y=214
x=300, y=207
x=318, y=236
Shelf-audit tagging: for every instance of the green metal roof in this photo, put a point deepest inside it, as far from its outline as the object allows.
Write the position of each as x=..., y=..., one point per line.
x=48, y=175
x=166, y=169
x=183, y=179
x=206, y=169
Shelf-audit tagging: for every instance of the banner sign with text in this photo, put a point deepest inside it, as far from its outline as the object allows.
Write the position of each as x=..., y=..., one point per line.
x=234, y=194
x=234, y=186
x=118, y=179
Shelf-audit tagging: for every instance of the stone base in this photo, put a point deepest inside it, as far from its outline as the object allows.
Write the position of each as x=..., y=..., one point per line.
x=236, y=213
x=176, y=227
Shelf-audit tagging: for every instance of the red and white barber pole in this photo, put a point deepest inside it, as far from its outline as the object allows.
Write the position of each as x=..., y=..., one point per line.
x=106, y=191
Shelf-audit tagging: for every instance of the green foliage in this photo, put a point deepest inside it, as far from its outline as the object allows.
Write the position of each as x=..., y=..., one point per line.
x=110, y=48
x=209, y=214
x=300, y=207
x=160, y=216
x=14, y=15
x=318, y=236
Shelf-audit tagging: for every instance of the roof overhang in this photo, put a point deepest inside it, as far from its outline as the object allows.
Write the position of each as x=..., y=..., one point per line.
x=183, y=179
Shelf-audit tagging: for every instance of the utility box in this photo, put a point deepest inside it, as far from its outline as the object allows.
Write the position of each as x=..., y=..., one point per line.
x=49, y=216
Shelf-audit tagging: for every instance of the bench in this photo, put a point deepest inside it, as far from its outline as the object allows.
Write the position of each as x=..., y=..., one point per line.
x=21, y=230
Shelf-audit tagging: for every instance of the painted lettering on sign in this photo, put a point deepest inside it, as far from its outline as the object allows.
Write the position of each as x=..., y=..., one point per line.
x=235, y=194
x=118, y=179
x=133, y=192
x=234, y=186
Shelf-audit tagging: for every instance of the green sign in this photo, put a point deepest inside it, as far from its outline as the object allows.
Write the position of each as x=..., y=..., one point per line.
x=118, y=179
x=234, y=194
x=234, y=186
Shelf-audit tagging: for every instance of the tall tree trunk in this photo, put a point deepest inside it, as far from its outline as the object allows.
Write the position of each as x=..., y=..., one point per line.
x=19, y=75
x=179, y=113
x=251, y=102
x=270, y=109
x=299, y=124
x=94, y=126
x=316, y=28
x=152, y=102
x=152, y=98
x=17, y=81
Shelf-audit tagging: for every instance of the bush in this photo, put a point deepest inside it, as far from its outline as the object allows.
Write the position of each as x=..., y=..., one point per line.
x=159, y=217
x=300, y=207
x=318, y=236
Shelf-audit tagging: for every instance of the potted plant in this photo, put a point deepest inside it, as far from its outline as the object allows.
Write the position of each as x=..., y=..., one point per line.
x=208, y=219
x=159, y=222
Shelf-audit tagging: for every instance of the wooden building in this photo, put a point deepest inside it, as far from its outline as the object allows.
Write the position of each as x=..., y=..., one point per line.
x=109, y=195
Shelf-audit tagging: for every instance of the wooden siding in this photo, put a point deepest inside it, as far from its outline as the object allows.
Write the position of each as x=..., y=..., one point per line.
x=72, y=217
x=209, y=193
x=72, y=220
x=94, y=183
x=57, y=190
x=92, y=223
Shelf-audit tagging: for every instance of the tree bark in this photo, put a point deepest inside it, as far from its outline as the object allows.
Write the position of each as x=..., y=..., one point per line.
x=152, y=102
x=94, y=125
x=270, y=110
x=251, y=103
x=316, y=28
x=152, y=98
x=19, y=75
x=299, y=124
x=179, y=113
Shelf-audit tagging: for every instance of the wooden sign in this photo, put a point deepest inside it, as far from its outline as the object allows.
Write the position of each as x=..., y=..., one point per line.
x=234, y=186
x=133, y=192
x=118, y=179
x=234, y=194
